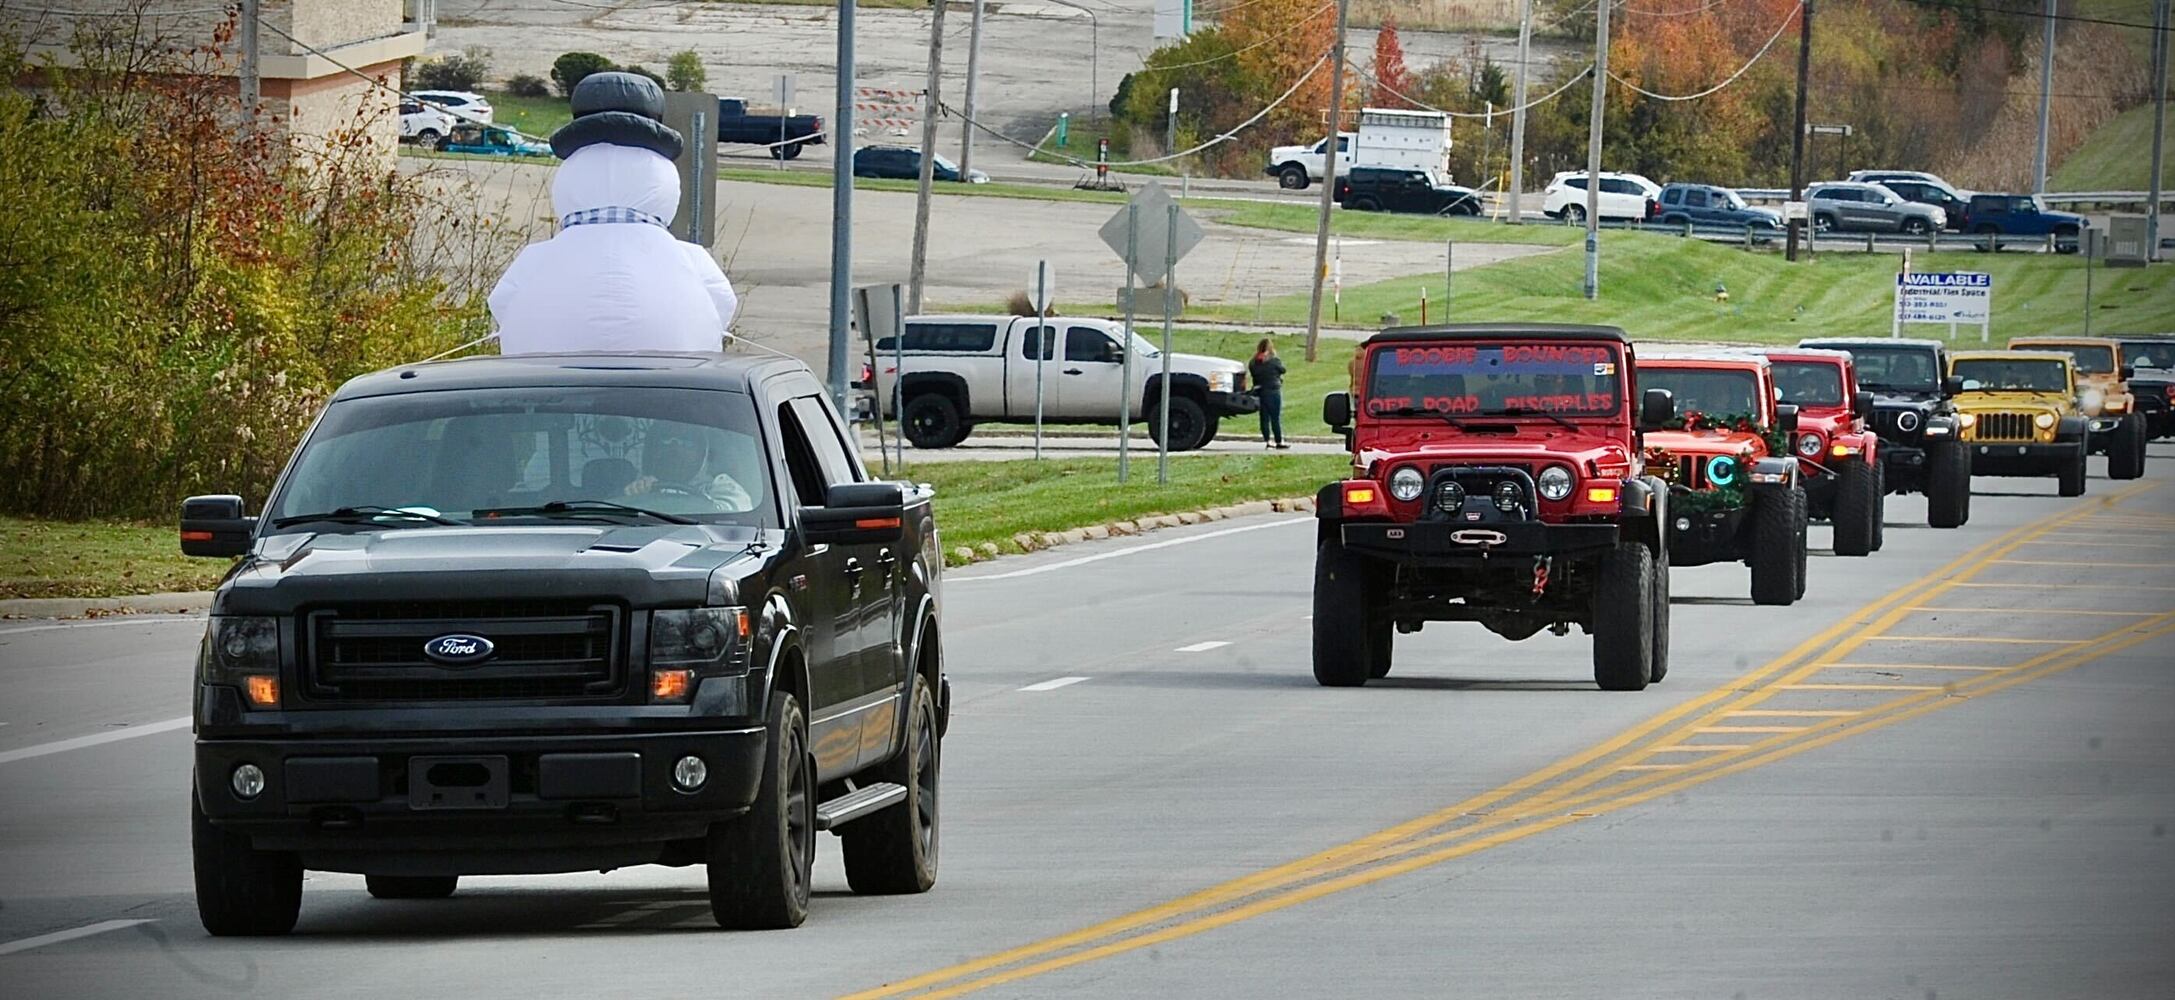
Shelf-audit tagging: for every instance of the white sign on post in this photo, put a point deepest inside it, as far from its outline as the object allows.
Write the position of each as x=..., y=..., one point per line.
x=1959, y=298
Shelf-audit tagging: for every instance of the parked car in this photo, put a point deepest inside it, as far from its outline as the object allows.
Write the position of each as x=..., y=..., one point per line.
x=1625, y=197
x=1707, y=205
x=735, y=124
x=2018, y=414
x=1395, y=138
x=425, y=125
x=1388, y=189
x=1995, y=216
x=1921, y=187
x=965, y=370
x=1297, y=167
x=461, y=104
x=492, y=140
x=1914, y=414
x=2152, y=361
x=502, y=675
x=1843, y=206
x=904, y=163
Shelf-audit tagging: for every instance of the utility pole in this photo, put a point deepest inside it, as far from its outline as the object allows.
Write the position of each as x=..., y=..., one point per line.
x=842, y=214
x=2046, y=100
x=974, y=65
x=1797, y=134
x=1329, y=182
x=1593, y=150
x=1518, y=114
x=1170, y=122
x=931, y=106
x=2163, y=19
x=252, y=85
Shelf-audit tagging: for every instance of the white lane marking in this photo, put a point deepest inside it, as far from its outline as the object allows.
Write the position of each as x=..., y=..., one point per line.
x=95, y=739
x=1134, y=550
x=1203, y=647
x=57, y=937
x=1052, y=685
x=101, y=623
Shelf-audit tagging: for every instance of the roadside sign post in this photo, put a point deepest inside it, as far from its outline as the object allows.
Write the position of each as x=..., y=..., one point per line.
x=880, y=310
x=1045, y=284
x=785, y=101
x=1962, y=298
x=1150, y=218
x=1449, y=265
x=1125, y=381
x=1170, y=293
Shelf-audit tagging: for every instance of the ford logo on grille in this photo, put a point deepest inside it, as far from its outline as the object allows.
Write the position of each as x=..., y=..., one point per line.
x=458, y=649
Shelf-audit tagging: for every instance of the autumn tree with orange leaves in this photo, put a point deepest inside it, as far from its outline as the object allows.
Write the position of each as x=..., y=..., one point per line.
x=1391, y=79
x=1277, y=42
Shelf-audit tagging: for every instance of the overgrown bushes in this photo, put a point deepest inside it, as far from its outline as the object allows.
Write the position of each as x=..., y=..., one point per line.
x=572, y=67
x=456, y=72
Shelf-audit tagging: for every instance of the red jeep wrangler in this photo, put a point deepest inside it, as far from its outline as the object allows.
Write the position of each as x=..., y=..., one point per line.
x=1836, y=450
x=1734, y=487
x=1496, y=478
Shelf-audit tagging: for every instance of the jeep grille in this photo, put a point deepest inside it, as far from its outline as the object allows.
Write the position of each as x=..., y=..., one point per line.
x=2001, y=427
x=374, y=653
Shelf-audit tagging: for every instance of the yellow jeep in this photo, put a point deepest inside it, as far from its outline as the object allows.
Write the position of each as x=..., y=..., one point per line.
x=2018, y=414
x=2103, y=395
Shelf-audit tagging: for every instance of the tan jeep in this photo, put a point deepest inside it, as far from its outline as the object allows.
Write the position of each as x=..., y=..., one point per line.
x=2018, y=414
x=2103, y=395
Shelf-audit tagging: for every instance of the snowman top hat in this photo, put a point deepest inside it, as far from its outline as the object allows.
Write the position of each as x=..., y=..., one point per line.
x=618, y=109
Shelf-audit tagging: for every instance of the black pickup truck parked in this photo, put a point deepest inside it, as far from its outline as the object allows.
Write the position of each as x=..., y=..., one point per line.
x=568, y=613
x=779, y=132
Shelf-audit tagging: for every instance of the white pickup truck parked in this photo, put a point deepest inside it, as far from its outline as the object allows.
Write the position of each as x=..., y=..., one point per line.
x=1397, y=138
x=963, y=370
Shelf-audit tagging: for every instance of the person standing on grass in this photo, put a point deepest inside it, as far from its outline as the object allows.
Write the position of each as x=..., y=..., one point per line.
x=1267, y=371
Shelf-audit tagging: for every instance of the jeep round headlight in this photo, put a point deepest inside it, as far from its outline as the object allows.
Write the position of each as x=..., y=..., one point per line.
x=1967, y=420
x=1554, y=482
x=1406, y=484
x=2044, y=420
x=1721, y=470
x=1450, y=497
x=1808, y=444
x=1507, y=496
x=1907, y=421
x=2090, y=401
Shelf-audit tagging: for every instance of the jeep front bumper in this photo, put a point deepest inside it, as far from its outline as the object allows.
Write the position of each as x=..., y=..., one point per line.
x=2005, y=459
x=1451, y=543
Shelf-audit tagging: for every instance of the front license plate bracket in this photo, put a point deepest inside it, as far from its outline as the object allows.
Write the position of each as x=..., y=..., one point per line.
x=457, y=783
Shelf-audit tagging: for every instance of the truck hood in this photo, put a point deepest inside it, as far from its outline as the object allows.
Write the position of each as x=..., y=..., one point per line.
x=1199, y=364
x=642, y=565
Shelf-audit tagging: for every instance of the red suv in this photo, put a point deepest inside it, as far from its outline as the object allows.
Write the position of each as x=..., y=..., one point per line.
x=1496, y=478
x=1837, y=453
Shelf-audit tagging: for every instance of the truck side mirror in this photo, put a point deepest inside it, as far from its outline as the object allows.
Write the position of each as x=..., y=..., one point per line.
x=1786, y=418
x=856, y=514
x=1862, y=406
x=1656, y=407
x=2127, y=373
x=1337, y=411
x=214, y=526
x=1952, y=386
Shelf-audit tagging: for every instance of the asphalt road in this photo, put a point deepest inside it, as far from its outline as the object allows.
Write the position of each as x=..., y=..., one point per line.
x=1945, y=773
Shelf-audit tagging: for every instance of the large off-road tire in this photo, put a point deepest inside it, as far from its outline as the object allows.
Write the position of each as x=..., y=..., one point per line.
x=1381, y=644
x=1189, y=424
x=1343, y=642
x=1293, y=177
x=1623, y=618
x=1363, y=205
x=894, y=851
x=1857, y=509
x=2126, y=449
x=1658, y=661
x=1777, y=519
x=411, y=886
x=241, y=891
x=1880, y=505
x=2070, y=478
x=1948, y=485
x=933, y=420
x=760, y=863
x=1804, y=528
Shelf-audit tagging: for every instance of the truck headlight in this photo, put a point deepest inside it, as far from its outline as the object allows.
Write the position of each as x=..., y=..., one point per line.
x=2044, y=420
x=685, y=643
x=243, y=652
x=1406, y=483
x=1808, y=444
x=1967, y=420
x=1219, y=381
x=2090, y=401
x=1554, y=482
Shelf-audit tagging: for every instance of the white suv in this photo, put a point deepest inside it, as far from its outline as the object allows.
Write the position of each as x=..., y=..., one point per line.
x=461, y=104
x=1628, y=197
x=424, y=125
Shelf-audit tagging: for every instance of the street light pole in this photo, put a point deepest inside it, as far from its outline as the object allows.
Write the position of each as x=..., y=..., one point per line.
x=842, y=210
x=2163, y=20
x=1329, y=182
x=932, y=106
x=974, y=65
x=1797, y=134
x=1593, y=151
x=1518, y=114
x=2046, y=100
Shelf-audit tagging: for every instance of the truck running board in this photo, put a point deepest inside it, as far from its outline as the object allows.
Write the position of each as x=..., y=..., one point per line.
x=858, y=803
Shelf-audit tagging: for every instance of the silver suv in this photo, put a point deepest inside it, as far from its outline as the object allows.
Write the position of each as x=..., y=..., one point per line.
x=1842, y=206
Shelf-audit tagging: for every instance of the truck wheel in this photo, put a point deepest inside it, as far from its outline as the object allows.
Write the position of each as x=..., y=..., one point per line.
x=2070, y=477
x=1293, y=177
x=1804, y=526
x=792, y=152
x=1623, y=619
x=1189, y=424
x=1343, y=650
x=2126, y=449
x=893, y=852
x=1381, y=641
x=1364, y=205
x=759, y=864
x=1775, y=545
x=932, y=420
x=1658, y=661
x=1574, y=215
x=431, y=139
x=411, y=886
x=1948, y=485
x=1215, y=424
x=1857, y=509
x=1880, y=505
x=241, y=891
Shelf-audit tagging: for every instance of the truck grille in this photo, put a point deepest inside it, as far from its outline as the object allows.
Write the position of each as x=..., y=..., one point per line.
x=374, y=653
x=2001, y=427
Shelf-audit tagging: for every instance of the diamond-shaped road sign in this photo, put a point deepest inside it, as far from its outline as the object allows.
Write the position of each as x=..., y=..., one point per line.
x=1151, y=212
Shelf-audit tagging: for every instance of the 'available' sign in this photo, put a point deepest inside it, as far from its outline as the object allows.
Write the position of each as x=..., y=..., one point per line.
x=1962, y=298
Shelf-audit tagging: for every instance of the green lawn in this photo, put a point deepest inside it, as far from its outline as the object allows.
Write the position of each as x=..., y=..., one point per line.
x=2117, y=156
x=1385, y=226
x=1304, y=382
x=97, y=559
x=822, y=179
x=1080, y=145
x=537, y=116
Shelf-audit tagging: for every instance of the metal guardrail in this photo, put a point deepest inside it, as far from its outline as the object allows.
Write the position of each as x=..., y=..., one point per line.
x=2051, y=197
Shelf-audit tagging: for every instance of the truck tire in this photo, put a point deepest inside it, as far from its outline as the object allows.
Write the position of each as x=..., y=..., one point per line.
x=1804, y=528
x=792, y=152
x=1574, y=214
x=241, y=891
x=1880, y=505
x=1916, y=227
x=1857, y=509
x=411, y=886
x=893, y=852
x=1363, y=205
x=431, y=139
x=1215, y=424
x=933, y=420
x=1381, y=643
x=1623, y=618
x=760, y=864
x=2126, y=449
x=2069, y=479
x=1293, y=177
x=1658, y=661
x=1189, y=424
x=1776, y=517
x=1343, y=646
x=1948, y=485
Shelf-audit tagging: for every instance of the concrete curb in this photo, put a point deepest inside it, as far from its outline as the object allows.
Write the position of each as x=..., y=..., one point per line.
x=184, y=602
x=1036, y=541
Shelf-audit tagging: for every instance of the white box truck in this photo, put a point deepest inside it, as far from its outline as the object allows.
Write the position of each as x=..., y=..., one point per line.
x=1387, y=137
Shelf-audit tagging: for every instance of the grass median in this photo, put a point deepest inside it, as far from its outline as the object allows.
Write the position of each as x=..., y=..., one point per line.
x=97, y=559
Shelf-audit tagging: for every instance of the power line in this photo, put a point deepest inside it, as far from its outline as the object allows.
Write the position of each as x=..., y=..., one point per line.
x=1257, y=43
x=1787, y=20
x=140, y=12
x=2079, y=18
x=1424, y=106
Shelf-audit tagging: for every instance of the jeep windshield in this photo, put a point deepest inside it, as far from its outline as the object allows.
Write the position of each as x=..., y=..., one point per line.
x=1483, y=379
x=1999, y=375
x=2091, y=359
x=1809, y=383
x=1910, y=369
x=2150, y=353
x=1712, y=391
x=527, y=456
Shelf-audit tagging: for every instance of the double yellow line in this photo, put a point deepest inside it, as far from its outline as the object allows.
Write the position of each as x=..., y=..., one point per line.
x=1560, y=795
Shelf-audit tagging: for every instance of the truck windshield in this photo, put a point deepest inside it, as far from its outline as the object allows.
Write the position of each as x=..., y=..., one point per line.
x=1910, y=368
x=1809, y=383
x=1713, y=391
x=2150, y=353
x=688, y=452
x=1498, y=379
x=2091, y=359
x=1995, y=374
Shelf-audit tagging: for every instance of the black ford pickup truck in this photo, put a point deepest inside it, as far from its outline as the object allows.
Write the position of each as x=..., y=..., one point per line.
x=783, y=134
x=568, y=613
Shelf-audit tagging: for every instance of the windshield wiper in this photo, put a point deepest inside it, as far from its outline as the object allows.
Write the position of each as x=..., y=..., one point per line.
x=1415, y=411
x=555, y=508
x=361, y=513
x=1520, y=411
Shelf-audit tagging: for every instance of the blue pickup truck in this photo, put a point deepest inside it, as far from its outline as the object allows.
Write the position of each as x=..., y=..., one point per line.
x=1994, y=216
x=783, y=134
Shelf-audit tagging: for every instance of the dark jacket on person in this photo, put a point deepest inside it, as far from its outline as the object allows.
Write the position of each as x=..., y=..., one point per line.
x=1267, y=373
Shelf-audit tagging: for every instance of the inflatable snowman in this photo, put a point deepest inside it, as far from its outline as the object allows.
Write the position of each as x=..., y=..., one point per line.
x=614, y=278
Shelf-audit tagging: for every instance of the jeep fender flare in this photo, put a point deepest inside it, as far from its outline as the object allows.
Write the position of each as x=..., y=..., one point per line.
x=1773, y=465
x=2073, y=427
x=1645, y=508
x=942, y=383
